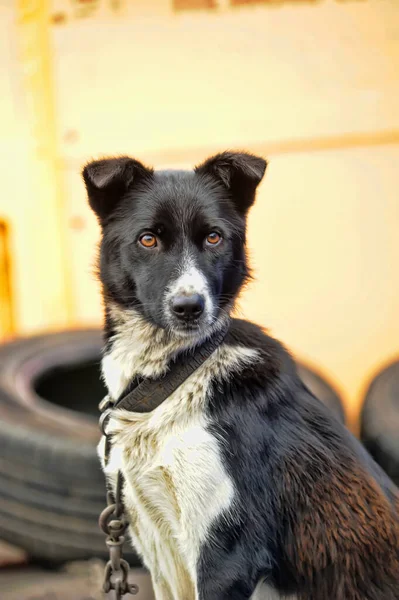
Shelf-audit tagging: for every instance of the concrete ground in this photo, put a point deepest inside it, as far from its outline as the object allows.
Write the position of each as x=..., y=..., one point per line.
x=75, y=581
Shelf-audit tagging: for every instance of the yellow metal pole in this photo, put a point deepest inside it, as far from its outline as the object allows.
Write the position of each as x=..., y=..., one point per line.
x=6, y=308
x=33, y=26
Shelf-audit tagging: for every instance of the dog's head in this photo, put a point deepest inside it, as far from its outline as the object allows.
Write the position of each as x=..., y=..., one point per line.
x=173, y=242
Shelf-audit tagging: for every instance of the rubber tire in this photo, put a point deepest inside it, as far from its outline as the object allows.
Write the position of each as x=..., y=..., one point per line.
x=52, y=489
x=51, y=486
x=380, y=420
x=323, y=390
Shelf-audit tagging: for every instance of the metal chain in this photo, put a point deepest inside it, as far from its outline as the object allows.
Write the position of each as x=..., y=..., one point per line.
x=114, y=524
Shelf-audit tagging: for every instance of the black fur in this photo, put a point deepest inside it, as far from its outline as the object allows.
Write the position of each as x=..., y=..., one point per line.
x=292, y=462
x=313, y=514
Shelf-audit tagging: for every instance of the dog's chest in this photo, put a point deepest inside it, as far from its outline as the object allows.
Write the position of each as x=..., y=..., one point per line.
x=176, y=486
x=176, y=482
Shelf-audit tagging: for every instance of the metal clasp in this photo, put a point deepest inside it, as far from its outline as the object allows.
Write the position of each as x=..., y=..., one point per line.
x=105, y=403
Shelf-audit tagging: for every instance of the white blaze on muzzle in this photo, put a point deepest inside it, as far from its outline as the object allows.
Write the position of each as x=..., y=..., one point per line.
x=191, y=281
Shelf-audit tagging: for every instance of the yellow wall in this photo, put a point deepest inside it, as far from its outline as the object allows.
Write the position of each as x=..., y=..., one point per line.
x=313, y=86
x=325, y=243
x=31, y=181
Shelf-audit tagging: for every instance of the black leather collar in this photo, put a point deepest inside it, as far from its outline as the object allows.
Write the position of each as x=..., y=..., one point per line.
x=145, y=395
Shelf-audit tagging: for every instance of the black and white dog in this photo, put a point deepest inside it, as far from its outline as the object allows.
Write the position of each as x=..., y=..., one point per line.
x=241, y=484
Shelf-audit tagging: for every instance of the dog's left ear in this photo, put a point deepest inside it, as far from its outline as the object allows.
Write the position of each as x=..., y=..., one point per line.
x=107, y=180
x=239, y=172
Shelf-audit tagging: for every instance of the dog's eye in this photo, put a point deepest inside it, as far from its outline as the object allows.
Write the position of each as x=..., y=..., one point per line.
x=213, y=239
x=148, y=240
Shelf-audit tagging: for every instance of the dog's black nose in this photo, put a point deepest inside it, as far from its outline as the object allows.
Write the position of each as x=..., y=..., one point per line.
x=188, y=307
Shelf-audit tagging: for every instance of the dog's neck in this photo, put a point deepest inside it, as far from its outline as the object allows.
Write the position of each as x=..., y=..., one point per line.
x=138, y=347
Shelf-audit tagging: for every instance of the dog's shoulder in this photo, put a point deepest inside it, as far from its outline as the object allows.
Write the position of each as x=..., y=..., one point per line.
x=251, y=335
x=273, y=359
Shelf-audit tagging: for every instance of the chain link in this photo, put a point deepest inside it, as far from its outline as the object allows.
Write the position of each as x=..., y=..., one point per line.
x=114, y=524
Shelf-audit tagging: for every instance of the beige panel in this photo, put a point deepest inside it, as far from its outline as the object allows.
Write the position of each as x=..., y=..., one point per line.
x=229, y=78
x=84, y=236
x=325, y=246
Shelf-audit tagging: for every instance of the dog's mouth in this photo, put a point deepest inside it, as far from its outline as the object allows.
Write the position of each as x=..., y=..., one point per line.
x=192, y=328
x=188, y=328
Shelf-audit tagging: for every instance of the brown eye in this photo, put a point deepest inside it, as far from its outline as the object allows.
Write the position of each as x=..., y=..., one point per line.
x=148, y=240
x=213, y=239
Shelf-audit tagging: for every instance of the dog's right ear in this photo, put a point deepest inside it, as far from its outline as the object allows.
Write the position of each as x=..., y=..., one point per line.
x=107, y=180
x=239, y=172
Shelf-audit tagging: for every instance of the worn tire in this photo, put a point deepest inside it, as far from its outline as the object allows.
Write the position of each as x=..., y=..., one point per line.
x=323, y=390
x=51, y=486
x=380, y=420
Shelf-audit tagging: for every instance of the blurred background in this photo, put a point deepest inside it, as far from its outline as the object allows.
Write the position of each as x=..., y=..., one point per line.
x=312, y=85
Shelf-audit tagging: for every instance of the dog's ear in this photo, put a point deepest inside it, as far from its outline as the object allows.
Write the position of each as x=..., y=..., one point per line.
x=108, y=179
x=239, y=172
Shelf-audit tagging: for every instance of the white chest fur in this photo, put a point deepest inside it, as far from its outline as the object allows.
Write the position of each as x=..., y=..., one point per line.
x=176, y=484
x=172, y=497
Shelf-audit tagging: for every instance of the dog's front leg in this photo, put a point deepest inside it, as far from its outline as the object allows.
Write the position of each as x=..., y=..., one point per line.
x=225, y=580
x=238, y=591
x=214, y=590
x=161, y=589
